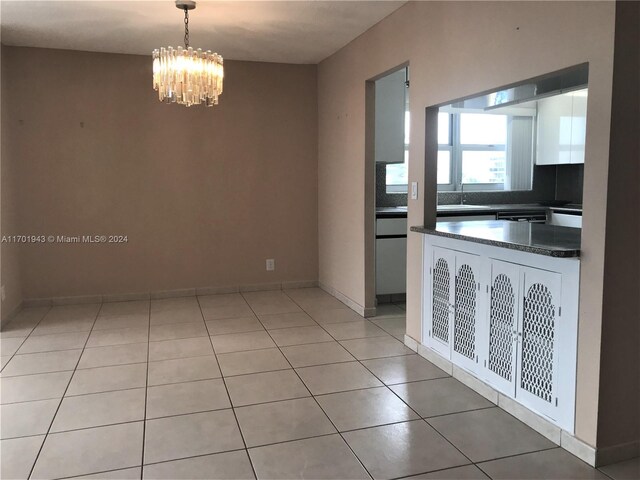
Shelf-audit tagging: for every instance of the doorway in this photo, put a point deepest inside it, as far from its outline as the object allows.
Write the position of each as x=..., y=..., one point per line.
x=386, y=156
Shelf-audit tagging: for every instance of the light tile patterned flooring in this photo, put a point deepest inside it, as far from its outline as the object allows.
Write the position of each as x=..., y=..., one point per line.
x=277, y=384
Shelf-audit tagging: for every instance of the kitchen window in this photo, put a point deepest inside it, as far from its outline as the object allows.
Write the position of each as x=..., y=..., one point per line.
x=472, y=151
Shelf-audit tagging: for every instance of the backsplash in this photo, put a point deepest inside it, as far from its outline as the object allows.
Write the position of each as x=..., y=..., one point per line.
x=550, y=182
x=569, y=182
x=384, y=199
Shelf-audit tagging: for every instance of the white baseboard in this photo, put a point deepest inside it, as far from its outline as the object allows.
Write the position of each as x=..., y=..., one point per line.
x=125, y=297
x=353, y=305
x=411, y=343
x=76, y=300
x=261, y=287
x=182, y=292
x=299, y=284
x=577, y=447
x=565, y=440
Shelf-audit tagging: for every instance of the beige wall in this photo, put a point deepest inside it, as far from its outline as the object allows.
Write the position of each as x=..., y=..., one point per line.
x=9, y=252
x=204, y=195
x=619, y=415
x=457, y=49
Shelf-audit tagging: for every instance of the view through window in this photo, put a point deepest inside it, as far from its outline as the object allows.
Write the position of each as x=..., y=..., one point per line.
x=472, y=150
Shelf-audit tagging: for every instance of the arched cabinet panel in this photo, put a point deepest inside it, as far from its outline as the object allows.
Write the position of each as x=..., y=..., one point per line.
x=467, y=298
x=442, y=298
x=503, y=325
x=537, y=340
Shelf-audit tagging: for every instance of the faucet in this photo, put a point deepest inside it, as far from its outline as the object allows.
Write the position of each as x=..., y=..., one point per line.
x=462, y=201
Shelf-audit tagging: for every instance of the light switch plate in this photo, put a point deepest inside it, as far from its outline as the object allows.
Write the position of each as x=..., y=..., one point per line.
x=271, y=264
x=414, y=190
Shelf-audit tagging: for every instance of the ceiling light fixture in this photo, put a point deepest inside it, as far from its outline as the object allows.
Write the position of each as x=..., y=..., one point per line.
x=184, y=75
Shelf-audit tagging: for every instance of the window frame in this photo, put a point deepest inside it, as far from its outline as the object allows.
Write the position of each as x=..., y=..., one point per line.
x=456, y=149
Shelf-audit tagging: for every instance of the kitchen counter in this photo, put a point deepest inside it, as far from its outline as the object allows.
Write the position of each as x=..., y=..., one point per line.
x=536, y=238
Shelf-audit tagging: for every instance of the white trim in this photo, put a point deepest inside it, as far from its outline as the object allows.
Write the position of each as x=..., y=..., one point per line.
x=299, y=284
x=260, y=287
x=580, y=449
x=125, y=297
x=560, y=437
x=526, y=416
x=216, y=290
x=76, y=300
x=352, y=304
x=182, y=292
x=435, y=358
x=37, y=302
x=476, y=384
x=411, y=343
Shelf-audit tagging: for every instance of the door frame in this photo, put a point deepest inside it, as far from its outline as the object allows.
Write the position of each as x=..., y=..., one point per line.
x=370, y=190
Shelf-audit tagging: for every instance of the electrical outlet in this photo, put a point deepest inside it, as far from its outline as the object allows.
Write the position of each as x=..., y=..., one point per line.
x=2, y=294
x=271, y=264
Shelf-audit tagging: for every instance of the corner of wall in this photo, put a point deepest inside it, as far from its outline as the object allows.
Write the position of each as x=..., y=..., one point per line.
x=9, y=252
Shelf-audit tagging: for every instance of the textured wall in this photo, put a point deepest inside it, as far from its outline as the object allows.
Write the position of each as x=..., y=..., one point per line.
x=204, y=195
x=619, y=415
x=456, y=49
x=9, y=252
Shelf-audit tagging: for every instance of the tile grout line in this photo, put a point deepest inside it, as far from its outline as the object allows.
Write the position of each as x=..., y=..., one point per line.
x=233, y=408
x=555, y=447
x=224, y=382
x=35, y=461
x=320, y=406
x=146, y=393
x=408, y=406
x=25, y=338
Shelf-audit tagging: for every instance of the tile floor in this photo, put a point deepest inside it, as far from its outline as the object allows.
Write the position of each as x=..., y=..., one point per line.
x=277, y=384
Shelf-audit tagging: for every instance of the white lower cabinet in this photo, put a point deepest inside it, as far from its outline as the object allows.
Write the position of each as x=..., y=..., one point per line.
x=503, y=316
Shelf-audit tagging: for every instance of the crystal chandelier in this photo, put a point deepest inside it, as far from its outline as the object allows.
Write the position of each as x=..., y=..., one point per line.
x=184, y=75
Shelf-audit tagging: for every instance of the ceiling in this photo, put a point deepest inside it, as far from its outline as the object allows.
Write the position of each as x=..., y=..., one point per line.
x=269, y=31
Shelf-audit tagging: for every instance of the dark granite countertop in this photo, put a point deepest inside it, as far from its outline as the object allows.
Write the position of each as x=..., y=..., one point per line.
x=467, y=209
x=536, y=238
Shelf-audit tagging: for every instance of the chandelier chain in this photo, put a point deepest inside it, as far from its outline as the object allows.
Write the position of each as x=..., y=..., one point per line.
x=186, y=27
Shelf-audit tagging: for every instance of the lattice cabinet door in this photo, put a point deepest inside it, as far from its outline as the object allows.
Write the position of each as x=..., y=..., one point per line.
x=467, y=312
x=538, y=342
x=502, y=328
x=442, y=298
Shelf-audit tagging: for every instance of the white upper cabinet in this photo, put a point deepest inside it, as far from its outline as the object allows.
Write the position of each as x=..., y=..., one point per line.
x=562, y=121
x=390, y=114
x=578, y=125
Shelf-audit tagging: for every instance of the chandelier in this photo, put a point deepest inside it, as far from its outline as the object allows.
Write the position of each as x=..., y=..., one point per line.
x=184, y=75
